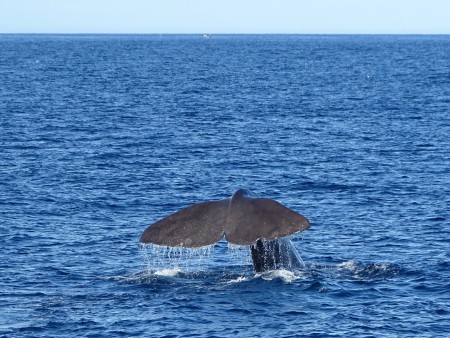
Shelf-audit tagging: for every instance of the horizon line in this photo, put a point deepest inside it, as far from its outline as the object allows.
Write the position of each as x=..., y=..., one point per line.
x=205, y=33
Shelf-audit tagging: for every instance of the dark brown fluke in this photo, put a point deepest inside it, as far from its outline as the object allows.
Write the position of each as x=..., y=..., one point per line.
x=241, y=219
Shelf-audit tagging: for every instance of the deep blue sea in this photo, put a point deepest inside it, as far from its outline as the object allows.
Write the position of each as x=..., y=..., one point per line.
x=102, y=135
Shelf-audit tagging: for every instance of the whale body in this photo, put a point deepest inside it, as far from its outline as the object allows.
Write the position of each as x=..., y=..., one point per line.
x=261, y=223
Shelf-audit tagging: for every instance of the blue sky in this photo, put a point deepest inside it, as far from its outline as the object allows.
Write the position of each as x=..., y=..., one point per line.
x=226, y=16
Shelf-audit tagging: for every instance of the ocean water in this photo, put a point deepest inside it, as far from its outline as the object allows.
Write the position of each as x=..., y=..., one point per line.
x=101, y=136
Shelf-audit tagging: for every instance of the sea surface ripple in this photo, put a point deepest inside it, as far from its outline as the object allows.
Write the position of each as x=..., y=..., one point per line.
x=101, y=135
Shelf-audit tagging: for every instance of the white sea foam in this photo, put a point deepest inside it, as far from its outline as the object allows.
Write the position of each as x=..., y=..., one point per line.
x=286, y=276
x=237, y=280
x=348, y=265
x=168, y=272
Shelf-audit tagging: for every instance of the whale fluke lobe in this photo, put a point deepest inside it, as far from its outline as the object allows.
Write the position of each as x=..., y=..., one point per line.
x=241, y=219
x=250, y=219
x=195, y=226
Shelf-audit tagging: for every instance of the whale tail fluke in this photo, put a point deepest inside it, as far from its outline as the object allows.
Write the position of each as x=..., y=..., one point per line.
x=241, y=219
